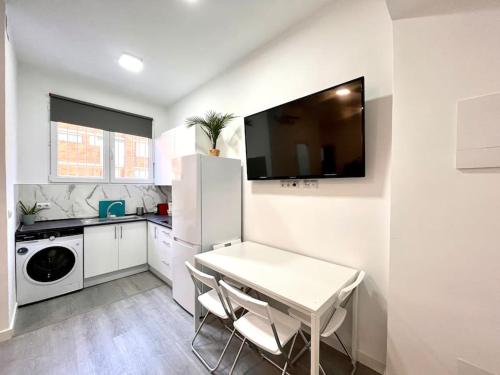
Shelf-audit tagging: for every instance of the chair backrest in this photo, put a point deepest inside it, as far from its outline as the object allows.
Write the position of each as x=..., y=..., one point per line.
x=202, y=277
x=346, y=292
x=227, y=243
x=338, y=313
x=258, y=307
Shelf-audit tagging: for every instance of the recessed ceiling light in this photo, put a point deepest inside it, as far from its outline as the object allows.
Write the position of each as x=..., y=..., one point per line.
x=343, y=92
x=131, y=63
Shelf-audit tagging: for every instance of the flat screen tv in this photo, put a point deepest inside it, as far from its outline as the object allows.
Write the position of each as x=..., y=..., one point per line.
x=318, y=136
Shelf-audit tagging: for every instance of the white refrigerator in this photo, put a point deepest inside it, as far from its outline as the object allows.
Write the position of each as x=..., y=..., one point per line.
x=206, y=199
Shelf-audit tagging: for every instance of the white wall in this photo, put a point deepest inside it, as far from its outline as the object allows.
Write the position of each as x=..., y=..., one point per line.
x=34, y=126
x=345, y=220
x=444, y=265
x=8, y=113
x=11, y=163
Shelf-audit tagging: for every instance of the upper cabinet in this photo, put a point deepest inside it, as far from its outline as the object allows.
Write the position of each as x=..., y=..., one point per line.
x=169, y=146
x=185, y=141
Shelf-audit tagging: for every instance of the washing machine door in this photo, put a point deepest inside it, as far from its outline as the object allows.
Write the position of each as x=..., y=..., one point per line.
x=50, y=264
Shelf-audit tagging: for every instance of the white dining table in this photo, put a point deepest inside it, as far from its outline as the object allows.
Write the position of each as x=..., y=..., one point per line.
x=304, y=283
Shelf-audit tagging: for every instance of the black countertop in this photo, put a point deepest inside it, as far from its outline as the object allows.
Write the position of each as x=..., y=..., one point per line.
x=39, y=226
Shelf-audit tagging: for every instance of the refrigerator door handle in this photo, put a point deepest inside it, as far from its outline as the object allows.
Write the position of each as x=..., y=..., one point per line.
x=186, y=243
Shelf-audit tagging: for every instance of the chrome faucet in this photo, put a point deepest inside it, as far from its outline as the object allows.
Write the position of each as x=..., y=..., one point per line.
x=111, y=205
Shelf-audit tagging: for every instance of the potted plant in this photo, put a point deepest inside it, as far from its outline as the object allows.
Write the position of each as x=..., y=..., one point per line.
x=212, y=125
x=29, y=213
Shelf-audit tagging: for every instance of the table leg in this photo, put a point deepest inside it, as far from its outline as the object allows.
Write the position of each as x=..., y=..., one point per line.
x=315, y=342
x=197, y=308
x=354, y=345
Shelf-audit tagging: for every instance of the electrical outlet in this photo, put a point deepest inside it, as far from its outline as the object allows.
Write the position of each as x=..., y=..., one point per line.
x=310, y=184
x=290, y=184
x=43, y=205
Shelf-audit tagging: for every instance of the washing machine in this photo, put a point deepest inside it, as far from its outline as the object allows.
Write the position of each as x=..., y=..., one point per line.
x=49, y=263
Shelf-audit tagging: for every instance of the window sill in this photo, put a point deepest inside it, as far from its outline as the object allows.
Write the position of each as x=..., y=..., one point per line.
x=84, y=180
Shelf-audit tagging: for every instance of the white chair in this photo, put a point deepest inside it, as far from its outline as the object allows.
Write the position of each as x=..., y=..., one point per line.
x=215, y=303
x=334, y=322
x=265, y=327
x=232, y=282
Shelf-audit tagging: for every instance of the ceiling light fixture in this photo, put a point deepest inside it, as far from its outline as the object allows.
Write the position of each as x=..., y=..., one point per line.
x=343, y=92
x=131, y=63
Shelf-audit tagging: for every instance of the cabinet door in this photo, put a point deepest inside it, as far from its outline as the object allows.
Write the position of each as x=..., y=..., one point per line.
x=132, y=244
x=185, y=139
x=100, y=250
x=153, y=256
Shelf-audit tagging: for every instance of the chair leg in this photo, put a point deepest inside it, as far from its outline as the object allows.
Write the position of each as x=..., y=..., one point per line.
x=286, y=357
x=347, y=352
x=291, y=348
x=199, y=328
x=198, y=355
x=343, y=346
x=304, y=349
x=289, y=355
x=284, y=368
x=237, y=356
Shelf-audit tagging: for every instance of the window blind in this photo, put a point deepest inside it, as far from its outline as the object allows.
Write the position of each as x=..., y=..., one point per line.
x=77, y=112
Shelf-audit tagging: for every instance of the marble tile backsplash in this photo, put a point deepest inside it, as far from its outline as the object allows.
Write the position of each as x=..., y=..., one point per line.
x=82, y=200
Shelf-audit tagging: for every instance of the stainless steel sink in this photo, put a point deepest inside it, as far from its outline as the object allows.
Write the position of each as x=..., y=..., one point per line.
x=104, y=220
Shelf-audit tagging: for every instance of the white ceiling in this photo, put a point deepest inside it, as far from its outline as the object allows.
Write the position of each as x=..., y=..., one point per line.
x=183, y=43
x=421, y=8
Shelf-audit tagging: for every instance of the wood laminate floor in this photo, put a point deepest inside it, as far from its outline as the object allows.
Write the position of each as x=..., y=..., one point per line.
x=136, y=329
x=55, y=310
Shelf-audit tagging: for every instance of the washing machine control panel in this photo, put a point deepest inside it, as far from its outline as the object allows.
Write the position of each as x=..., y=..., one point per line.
x=48, y=234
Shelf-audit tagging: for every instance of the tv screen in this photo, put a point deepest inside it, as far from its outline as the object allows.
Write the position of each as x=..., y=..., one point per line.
x=317, y=136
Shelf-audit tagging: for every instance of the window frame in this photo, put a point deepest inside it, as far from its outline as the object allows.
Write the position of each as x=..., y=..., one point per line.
x=118, y=180
x=108, y=146
x=54, y=177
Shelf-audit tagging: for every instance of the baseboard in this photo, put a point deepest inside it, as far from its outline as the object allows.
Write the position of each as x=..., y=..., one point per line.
x=6, y=334
x=91, y=281
x=161, y=276
x=370, y=362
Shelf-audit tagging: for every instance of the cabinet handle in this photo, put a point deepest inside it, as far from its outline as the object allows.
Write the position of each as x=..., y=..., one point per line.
x=165, y=233
x=115, y=232
x=166, y=243
x=165, y=263
x=155, y=232
x=121, y=232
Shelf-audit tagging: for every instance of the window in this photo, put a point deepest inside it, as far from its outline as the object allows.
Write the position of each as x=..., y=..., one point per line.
x=132, y=157
x=77, y=153
x=117, y=147
x=81, y=153
x=95, y=140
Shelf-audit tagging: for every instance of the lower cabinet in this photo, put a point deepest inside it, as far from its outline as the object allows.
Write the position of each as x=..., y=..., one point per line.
x=132, y=245
x=114, y=247
x=160, y=249
x=100, y=251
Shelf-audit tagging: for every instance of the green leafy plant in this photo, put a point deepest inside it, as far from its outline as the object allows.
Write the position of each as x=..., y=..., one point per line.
x=29, y=210
x=212, y=124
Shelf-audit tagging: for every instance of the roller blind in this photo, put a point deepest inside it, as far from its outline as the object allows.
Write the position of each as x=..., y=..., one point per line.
x=77, y=112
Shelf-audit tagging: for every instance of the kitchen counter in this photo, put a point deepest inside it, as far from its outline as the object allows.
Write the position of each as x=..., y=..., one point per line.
x=163, y=220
